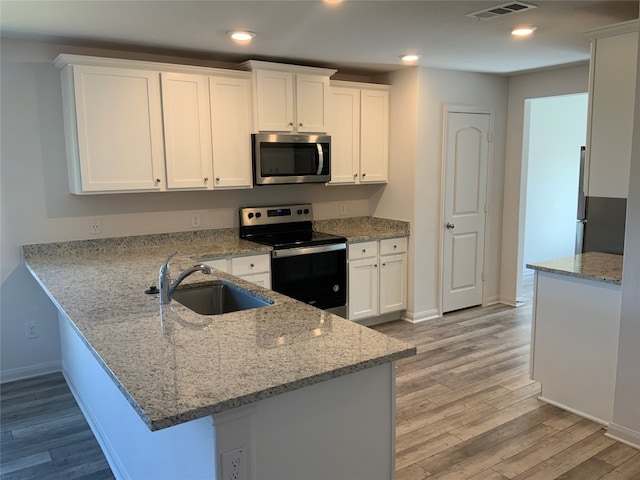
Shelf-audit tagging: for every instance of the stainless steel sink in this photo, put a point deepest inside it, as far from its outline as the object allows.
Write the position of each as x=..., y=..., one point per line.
x=217, y=298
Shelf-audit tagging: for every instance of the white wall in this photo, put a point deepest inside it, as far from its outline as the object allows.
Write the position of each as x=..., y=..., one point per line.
x=417, y=155
x=37, y=206
x=559, y=81
x=557, y=128
x=626, y=408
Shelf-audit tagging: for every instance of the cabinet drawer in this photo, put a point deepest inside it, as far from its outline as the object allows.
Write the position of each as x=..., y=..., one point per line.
x=250, y=264
x=363, y=250
x=393, y=245
x=218, y=263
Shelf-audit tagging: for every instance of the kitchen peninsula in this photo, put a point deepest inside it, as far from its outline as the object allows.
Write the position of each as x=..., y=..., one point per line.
x=575, y=329
x=290, y=390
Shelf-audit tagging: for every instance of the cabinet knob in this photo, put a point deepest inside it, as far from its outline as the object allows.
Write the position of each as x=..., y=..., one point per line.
x=206, y=179
x=217, y=179
x=300, y=124
x=157, y=180
x=384, y=264
x=395, y=246
x=291, y=124
x=364, y=250
x=364, y=175
x=355, y=175
x=375, y=265
x=252, y=265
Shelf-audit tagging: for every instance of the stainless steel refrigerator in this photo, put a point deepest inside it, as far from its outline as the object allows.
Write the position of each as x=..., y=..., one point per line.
x=600, y=220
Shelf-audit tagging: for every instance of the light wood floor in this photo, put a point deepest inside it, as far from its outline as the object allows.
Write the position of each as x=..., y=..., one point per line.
x=466, y=408
x=465, y=405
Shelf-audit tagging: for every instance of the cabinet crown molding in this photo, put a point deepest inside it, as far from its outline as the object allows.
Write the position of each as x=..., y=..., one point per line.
x=65, y=59
x=285, y=67
x=349, y=84
x=611, y=30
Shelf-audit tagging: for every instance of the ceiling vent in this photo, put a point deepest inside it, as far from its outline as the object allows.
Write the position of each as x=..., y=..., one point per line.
x=500, y=10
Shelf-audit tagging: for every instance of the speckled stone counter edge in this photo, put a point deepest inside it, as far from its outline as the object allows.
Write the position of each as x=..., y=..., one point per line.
x=597, y=266
x=361, y=229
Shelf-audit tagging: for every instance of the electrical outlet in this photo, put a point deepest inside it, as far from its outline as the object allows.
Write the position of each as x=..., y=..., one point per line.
x=234, y=464
x=31, y=330
x=95, y=227
x=343, y=209
x=195, y=219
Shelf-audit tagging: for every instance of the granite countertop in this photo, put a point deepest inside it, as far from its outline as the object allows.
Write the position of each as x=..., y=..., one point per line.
x=188, y=365
x=361, y=229
x=601, y=267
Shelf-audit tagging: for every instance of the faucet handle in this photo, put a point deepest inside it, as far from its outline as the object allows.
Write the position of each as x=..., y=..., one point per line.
x=165, y=264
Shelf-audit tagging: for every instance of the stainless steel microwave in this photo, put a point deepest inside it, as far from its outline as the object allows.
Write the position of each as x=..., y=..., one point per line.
x=291, y=158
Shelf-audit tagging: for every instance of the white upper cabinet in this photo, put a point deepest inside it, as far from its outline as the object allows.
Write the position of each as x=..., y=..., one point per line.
x=113, y=125
x=611, y=104
x=374, y=136
x=289, y=98
x=231, y=130
x=359, y=129
x=187, y=130
x=141, y=126
x=207, y=127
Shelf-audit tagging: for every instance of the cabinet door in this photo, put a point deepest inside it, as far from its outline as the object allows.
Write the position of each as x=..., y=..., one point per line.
x=393, y=283
x=119, y=130
x=187, y=130
x=363, y=288
x=275, y=101
x=611, y=116
x=344, y=128
x=231, y=129
x=311, y=103
x=374, y=136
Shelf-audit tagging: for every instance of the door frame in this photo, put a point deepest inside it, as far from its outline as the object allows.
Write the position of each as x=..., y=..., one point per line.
x=447, y=110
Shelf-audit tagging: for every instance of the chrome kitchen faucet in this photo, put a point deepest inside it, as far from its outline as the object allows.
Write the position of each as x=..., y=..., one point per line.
x=165, y=284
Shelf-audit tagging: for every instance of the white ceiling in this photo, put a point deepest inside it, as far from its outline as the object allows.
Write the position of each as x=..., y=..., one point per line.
x=354, y=36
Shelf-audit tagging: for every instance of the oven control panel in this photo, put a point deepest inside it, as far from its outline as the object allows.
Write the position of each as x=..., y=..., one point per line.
x=271, y=215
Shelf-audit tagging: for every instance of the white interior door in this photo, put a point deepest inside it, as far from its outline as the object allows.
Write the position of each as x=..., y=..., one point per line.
x=466, y=156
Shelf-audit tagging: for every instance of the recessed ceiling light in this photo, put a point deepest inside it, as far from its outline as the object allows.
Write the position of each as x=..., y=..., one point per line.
x=523, y=31
x=410, y=57
x=241, y=36
x=332, y=2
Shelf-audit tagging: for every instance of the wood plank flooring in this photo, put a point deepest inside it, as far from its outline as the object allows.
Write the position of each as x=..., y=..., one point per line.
x=45, y=435
x=466, y=408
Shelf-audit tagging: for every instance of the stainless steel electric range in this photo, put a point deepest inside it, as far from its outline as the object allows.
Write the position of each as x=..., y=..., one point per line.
x=306, y=265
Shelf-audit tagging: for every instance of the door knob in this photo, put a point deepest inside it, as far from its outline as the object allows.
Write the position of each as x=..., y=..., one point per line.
x=450, y=225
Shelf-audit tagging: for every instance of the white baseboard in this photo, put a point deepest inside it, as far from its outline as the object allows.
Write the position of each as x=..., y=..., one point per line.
x=512, y=302
x=106, y=447
x=30, y=371
x=573, y=410
x=624, y=435
x=422, y=316
x=493, y=299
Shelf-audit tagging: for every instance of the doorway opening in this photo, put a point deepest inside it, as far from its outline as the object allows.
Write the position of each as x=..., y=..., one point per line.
x=554, y=130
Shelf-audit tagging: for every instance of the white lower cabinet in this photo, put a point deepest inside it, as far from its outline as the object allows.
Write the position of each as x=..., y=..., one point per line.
x=377, y=278
x=252, y=268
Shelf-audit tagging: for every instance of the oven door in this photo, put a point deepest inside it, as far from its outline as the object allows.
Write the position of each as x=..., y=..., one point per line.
x=315, y=275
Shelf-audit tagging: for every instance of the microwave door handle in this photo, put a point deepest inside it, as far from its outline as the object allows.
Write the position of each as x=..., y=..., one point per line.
x=320, y=158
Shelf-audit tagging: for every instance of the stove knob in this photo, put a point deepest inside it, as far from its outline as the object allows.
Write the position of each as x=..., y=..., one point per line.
x=250, y=215
x=258, y=215
x=299, y=212
x=306, y=210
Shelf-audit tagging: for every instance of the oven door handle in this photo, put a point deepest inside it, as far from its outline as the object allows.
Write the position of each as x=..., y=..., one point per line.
x=291, y=252
x=320, y=158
